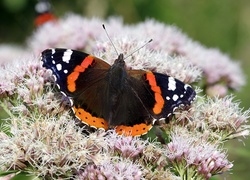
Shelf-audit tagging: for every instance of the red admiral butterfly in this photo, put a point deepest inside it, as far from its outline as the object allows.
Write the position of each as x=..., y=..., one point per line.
x=43, y=10
x=105, y=96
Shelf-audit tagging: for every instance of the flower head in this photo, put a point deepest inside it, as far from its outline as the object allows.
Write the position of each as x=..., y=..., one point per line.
x=115, y=169
x=127, y=146
x=10, y=53
x=186, y=151
x=221, y=116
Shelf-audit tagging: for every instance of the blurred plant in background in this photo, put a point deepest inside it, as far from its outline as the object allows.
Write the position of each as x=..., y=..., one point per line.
x=40, y=128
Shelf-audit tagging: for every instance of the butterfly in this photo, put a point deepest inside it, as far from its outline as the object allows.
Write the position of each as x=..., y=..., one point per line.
x=113, y=96
x=44, y=14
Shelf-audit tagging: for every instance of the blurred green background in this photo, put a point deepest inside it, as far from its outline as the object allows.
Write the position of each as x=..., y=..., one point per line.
x=222, y=24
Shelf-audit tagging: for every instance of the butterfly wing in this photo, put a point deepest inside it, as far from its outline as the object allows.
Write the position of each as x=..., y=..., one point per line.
x=174, y=93
x=81, y=77
x=132, y=114
x=67, y=65
x=44, y=14
x=164, y=93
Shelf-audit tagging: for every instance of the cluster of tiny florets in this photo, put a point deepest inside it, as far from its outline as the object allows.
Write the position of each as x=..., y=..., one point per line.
x=116, y=169
x=194, y=153
x=42, y=138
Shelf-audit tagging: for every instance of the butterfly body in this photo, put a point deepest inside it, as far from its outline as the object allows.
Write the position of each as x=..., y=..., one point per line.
x=113, y=96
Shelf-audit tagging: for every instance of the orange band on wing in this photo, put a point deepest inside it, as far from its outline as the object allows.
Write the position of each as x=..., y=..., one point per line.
x=151, y=79
x=71, y=79
x=87, y=62
x=159, y=104
x=90, y=120
x=136, y=130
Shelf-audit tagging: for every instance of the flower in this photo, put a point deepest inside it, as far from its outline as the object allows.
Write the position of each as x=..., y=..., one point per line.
x=217, y=90
x=11, y=52
x=70, y=32
x=222, y=116
x=220, y=119
x=127, y=146
x=116, y=169
x=189, y=153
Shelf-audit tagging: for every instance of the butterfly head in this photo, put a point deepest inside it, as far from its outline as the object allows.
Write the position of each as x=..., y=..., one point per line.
x=119, y=64
x=120, y=60
x=117, y=73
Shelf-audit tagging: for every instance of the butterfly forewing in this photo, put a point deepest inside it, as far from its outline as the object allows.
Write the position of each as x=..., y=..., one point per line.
x=174, y=92
x=165, y=92
x=64, y=62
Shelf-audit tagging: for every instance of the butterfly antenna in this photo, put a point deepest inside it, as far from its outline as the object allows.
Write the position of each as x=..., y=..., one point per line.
x=139, y=48
x=110, y=39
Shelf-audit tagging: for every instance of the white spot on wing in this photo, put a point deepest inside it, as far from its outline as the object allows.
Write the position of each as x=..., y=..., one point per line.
x=67, y=55
x=74, y=111
x=63, y=93
x=59, y=67
x=65, y=71
x=167, y=98
x=171, y=84
x=175, y=97
x=53, y=51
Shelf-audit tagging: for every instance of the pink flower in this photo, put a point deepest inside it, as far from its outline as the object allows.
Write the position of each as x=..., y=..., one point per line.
x=127, y=146
x=10, y=53
x=188, y=152
x=116, y=169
